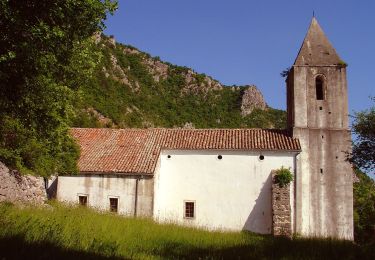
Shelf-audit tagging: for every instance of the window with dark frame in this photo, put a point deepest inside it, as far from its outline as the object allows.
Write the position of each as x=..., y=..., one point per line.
x=113, y=205
x=189, y=209
x=319, y=85
x=82, y=200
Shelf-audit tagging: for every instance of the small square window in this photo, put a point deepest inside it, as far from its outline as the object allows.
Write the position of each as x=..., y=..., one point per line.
x=189, y=209
x=113, y=205
x=82, y=200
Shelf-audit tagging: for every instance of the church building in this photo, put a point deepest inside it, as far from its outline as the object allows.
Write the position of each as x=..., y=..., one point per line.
x=223, y=179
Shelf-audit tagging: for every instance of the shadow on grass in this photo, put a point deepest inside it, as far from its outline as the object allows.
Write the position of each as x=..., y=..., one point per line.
x=17, y=248
x=271, y=248
x=268, y=248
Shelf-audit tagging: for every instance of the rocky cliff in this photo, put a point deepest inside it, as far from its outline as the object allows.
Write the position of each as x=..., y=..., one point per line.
x=251, y=99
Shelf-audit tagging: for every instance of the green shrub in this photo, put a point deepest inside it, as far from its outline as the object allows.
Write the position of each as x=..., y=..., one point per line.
x=283, y=177
x=342, y=64
x=22, y=148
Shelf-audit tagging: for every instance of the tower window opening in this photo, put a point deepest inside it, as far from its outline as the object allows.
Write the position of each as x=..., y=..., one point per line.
x=319, y=85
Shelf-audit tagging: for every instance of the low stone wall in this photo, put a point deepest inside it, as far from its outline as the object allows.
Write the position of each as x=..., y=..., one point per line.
x=281, y=210
x=21, y=189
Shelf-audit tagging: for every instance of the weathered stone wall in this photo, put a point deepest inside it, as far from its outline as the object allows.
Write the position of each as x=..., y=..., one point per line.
x=323, y=180
x=324, y=189
x=21, y=189
x=281, y=210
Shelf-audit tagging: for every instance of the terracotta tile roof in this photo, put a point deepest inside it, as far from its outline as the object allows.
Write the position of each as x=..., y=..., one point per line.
x=136, y=151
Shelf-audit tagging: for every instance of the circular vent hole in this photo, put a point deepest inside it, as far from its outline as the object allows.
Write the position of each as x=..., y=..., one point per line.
x=261, y=157
x=168, y=156
x=219, y=157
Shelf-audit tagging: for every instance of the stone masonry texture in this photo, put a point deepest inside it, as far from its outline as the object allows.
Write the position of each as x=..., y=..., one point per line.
x=281, y=210
x=21, y=189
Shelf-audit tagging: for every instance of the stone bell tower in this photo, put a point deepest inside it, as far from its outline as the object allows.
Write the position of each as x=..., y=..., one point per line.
x=317, y=107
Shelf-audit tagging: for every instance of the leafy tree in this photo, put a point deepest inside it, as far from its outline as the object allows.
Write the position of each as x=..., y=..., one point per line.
x=363, y=154
x=285, y=72
x=364, y=208
x=45, y=56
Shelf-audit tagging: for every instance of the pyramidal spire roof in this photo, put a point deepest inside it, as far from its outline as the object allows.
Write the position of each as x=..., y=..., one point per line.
x=316, y=49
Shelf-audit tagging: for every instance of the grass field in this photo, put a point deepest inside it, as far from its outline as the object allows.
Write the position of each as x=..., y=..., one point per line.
x=60, y=232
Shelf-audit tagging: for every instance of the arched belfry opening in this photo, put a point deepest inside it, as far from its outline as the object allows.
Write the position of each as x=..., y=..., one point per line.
x=319, y=87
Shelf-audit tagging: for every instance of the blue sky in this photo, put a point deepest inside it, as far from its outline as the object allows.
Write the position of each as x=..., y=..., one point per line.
x=250, y=42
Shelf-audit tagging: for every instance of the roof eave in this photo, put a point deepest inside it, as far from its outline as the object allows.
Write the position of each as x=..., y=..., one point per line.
x=114, y=173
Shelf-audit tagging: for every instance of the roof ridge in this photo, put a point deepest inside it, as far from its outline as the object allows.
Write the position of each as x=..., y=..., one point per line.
x=176, y=129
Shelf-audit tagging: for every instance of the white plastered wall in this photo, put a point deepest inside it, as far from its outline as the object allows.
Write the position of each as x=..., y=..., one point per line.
x=233, y=193
x=99, y=188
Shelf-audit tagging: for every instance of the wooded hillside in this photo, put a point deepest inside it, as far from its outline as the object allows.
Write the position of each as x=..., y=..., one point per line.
x=132, y=89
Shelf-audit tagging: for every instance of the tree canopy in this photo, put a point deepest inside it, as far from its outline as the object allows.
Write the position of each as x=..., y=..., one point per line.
x=363, y=154
x=364, y=208
x=44, y=59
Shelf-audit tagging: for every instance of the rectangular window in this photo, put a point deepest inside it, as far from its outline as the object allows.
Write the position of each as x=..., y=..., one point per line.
x=82, y=200
x=113, y=204
x=189, y=209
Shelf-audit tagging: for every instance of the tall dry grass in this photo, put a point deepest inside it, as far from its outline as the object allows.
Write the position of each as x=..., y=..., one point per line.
x=66, y=232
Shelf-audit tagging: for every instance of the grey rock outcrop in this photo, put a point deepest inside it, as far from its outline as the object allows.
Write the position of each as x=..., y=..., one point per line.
x=112, y=40
x=119, y=74
x=97, y=37
x=252, y=98
x=202, y=86
x=21, y=189
x=128, y=50
x=103, y=120
x=158, y=69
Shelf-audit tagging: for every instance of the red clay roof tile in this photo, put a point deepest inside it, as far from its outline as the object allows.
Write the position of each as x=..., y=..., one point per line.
x=136, y=151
